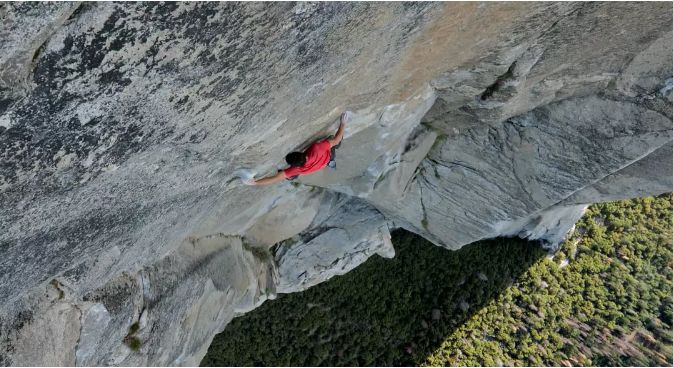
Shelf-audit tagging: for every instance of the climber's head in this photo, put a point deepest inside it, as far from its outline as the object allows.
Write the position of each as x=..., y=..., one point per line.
x=296, y=159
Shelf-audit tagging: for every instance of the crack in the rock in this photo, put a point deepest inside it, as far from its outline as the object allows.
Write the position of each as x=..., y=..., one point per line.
x=74, y=12
x=611, y=173
x=570, y=13
x=81, y=326
x=499, y=82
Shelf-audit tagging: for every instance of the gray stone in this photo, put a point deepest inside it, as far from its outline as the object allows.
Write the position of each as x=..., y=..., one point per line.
x=352, y=232
x=94, y=322
x=125, y=130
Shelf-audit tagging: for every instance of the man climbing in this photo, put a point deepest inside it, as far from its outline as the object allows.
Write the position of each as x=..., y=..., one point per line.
x=316, y=157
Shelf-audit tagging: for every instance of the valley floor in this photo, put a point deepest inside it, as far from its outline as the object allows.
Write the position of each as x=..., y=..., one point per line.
x=606, y=298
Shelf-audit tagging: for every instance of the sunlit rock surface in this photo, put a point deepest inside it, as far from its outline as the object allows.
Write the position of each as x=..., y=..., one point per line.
x=126, y=234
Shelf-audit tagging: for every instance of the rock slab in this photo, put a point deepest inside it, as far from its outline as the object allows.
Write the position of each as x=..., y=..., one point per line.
x=126, y=234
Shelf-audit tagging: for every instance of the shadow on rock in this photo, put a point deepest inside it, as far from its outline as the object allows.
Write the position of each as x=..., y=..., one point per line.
x=386, y=312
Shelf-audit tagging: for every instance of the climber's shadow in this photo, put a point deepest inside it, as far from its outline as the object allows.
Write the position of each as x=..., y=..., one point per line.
x=385, y=312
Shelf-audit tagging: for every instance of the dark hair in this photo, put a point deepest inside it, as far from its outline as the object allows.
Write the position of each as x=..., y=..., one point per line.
x=296, y=159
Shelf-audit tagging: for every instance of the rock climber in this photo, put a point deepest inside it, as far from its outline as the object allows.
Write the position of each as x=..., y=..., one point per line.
x=316, y=157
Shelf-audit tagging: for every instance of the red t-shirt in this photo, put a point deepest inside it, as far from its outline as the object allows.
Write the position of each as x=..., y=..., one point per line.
x=317, y=157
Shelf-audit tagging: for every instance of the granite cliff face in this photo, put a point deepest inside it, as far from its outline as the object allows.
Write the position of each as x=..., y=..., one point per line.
x=124, y=128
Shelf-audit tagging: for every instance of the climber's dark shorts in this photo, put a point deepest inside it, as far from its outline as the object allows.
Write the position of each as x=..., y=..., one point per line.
x=331, y=163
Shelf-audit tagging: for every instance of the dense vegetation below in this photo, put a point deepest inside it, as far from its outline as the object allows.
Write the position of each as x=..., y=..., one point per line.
x=606, y=298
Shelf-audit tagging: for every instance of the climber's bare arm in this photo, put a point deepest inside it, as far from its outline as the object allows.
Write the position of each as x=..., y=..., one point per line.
x=340, y=133
x=270, y=180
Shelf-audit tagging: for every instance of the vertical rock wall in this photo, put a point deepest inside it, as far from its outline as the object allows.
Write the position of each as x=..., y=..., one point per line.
x=126, y=237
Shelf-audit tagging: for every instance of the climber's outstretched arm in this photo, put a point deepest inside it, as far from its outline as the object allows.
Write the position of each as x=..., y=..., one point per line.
x=270, y=180
x=340, y=133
